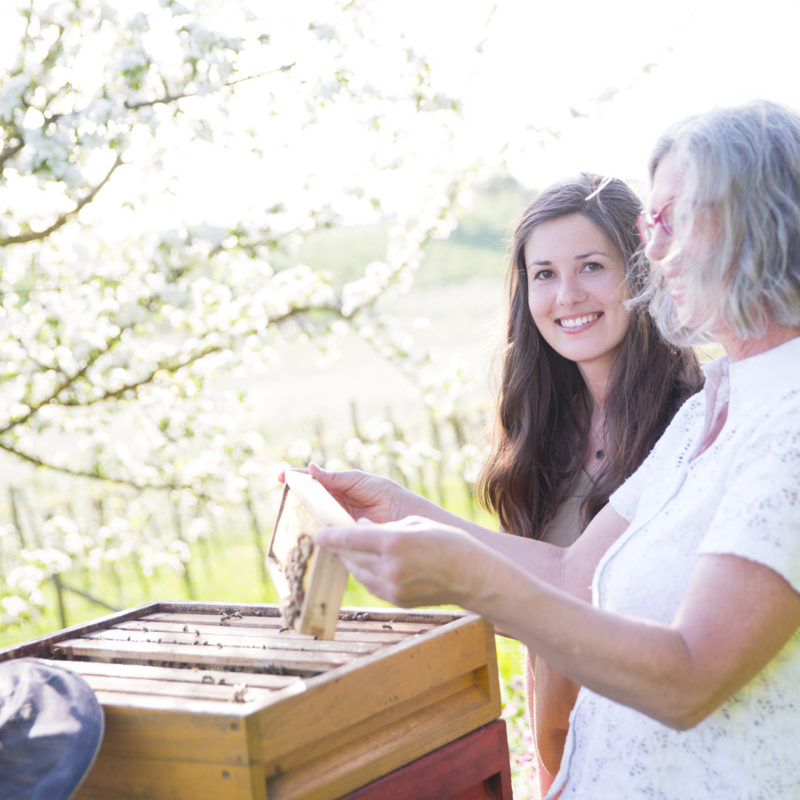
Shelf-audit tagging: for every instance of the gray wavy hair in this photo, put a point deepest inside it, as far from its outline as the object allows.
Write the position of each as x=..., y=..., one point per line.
x=741, y=170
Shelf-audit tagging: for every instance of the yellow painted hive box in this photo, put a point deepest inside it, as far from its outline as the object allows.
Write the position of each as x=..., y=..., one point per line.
x=209, y=701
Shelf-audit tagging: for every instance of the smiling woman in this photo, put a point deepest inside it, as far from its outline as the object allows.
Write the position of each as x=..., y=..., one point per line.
x=577, y=289
x=581, y=373
x=588, y=386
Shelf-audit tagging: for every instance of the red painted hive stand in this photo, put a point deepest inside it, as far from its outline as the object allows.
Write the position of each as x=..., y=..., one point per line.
x=474, y=767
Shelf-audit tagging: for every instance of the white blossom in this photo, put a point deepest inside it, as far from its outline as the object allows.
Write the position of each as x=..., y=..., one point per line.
x=181, y=286
x=16, y=610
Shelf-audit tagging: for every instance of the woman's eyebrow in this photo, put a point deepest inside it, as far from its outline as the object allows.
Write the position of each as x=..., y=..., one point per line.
x=591, y=253
x=546, y=262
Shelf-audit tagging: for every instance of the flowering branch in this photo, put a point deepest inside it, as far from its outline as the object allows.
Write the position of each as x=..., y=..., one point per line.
x=63, y=386
x=95, y=475
x=31, y=236
x=172, y=98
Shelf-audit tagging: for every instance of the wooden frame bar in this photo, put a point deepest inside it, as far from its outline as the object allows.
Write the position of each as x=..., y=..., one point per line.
x=311, y=582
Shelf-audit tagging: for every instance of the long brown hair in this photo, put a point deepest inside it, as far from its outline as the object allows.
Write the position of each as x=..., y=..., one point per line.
x=541, y=430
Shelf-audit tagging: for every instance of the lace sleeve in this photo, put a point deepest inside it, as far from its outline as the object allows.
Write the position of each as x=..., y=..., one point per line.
x=759, y=516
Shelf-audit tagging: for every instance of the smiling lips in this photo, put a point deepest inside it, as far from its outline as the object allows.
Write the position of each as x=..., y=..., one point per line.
x=676, y=284
x=575, y=323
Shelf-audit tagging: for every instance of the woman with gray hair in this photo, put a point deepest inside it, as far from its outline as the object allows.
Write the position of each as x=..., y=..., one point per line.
x=678, y=609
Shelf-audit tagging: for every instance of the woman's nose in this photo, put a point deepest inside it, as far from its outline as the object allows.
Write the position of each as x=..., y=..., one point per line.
x=570, y=291
x=659, y=244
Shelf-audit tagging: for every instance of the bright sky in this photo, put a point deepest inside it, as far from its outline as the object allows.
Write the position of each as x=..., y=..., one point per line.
x=606, y=78
x=662, y=61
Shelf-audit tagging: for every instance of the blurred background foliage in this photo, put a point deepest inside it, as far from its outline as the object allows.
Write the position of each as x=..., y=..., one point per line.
x=230, y=243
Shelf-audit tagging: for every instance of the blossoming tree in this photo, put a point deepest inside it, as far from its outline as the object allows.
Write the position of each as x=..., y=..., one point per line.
x=157, y=163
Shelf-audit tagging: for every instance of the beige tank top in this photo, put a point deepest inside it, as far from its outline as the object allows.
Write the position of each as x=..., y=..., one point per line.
x=568, y=523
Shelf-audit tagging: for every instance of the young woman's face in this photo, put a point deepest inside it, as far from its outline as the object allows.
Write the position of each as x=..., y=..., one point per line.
x=576, y=289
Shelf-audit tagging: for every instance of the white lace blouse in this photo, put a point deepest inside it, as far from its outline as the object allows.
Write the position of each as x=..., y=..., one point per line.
x=740, y=497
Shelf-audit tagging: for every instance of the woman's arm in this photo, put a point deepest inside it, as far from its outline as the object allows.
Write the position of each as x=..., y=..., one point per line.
x=554, y=696
x=735, y=616
x=380, y=500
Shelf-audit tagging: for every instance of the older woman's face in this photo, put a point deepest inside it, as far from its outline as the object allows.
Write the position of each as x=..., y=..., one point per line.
x=663, y=251
x=667, y=182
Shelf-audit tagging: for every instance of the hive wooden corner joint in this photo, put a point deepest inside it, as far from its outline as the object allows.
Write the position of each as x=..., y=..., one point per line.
x=310, y=581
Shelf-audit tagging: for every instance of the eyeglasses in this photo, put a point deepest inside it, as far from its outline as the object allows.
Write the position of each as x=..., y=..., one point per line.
x=646, y=222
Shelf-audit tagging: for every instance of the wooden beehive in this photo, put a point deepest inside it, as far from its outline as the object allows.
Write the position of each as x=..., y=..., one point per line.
x=203, y=701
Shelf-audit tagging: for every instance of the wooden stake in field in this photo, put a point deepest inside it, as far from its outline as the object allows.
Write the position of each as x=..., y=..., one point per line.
x=310, y=581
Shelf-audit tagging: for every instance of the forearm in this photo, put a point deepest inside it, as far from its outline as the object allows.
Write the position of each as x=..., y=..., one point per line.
x=382, y=500
x=735, y=616
x=634, y=662
x=553, y=698
x=539, y=558
x=416, y=562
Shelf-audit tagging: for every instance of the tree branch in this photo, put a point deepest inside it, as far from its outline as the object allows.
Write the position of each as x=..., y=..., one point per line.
x=65, y=384
x=112, y=394
x=53, y=52
x=30, y=357
x=77, y=473
x=172, y=98
x=169, y=368
x=172, y=367
x=64, y=218
x=86, y=596
x=9, y=151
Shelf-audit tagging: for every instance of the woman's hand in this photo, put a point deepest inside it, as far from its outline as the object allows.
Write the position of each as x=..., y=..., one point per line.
x=362, y=494
x=412, y=562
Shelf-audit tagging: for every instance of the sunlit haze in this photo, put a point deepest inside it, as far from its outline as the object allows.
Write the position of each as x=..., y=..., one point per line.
x=562, y=86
